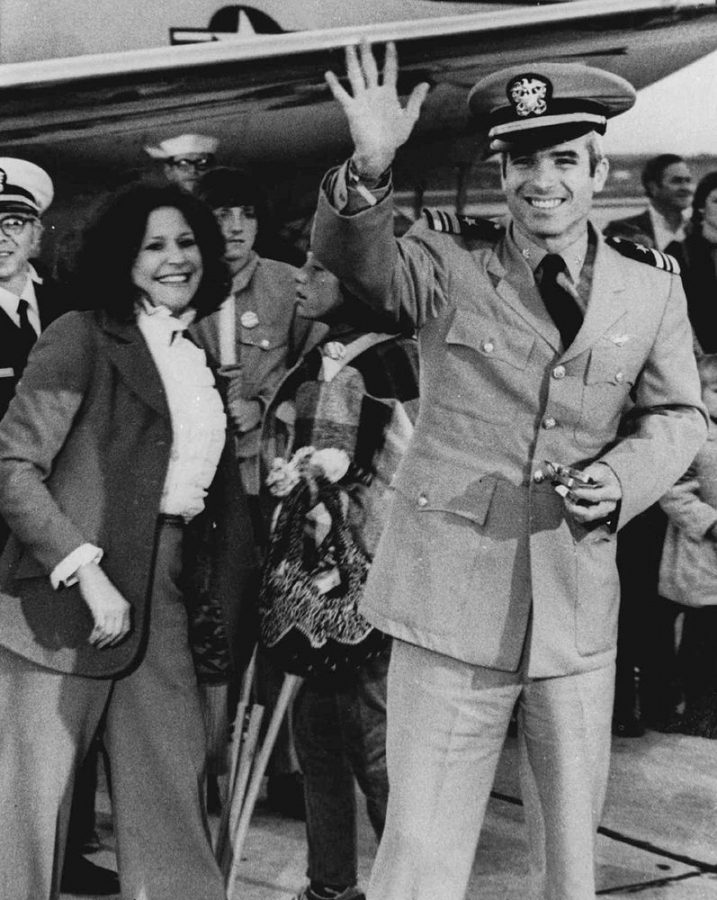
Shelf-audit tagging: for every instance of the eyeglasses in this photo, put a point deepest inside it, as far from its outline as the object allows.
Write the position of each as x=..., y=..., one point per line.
x=199, y=163
x=229, y=213
x=12, y=226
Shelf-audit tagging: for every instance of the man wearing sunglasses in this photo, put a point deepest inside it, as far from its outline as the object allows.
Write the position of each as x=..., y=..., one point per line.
x=186, y=158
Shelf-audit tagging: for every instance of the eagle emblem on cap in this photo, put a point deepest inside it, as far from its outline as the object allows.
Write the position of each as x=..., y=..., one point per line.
x=529, y=95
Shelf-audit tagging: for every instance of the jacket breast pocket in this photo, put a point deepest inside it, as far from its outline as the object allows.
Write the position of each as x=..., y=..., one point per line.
x=491, y=358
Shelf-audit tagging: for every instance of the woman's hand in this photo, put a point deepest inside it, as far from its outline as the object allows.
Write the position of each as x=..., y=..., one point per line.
x=378, y=123
x=110, y=610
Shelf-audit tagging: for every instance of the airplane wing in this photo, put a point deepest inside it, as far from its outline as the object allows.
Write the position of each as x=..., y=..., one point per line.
x=266, y=99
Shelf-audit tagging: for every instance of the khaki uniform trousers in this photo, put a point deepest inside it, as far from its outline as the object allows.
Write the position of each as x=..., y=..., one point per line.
x=155, y=742
x=447, y=722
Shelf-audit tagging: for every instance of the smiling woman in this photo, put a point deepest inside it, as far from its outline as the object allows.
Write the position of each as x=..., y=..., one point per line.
x=148, y=233
x=168, y=267
x=111, y=482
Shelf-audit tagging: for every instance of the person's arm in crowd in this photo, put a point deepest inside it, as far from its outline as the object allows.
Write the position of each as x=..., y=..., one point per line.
x=32, y=432
x=686, y=508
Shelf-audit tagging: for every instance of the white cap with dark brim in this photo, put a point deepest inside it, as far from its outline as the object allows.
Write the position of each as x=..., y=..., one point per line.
x=182, y=145
x=548, y=101
x=24, y=187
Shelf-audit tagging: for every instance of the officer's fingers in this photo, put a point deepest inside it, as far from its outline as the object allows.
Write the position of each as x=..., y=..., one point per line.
x=368, y=63
x=608, y=493
x=390, y=65
x=592, y=513
x=415, y=101
x=339, y=93
x=354, y=71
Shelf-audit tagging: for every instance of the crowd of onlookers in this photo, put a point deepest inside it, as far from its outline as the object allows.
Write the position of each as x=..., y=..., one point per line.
x=666, y=675
x=203, y=246
x=195, y=262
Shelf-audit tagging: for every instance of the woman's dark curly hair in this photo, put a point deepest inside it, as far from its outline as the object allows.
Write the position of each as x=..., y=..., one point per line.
x=103, y=276
x=705, y=186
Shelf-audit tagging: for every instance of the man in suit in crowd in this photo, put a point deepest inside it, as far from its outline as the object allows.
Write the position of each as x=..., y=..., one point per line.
x=669, y=186
x=28, y=303
x=185, y=158
x=645, y=691
x=496, y=579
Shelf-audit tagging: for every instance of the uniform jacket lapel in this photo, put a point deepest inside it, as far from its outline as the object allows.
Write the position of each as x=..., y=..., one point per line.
x=509, y=294
x=128, y=351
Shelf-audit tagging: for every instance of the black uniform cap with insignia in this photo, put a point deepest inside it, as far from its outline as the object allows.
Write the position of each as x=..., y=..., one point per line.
x=548, y=103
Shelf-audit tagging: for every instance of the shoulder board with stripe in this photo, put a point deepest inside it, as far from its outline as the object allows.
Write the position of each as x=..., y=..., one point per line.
x=644, y=254
x=470, y=226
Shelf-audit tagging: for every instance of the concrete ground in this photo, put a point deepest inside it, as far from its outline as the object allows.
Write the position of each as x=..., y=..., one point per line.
x=658, y=839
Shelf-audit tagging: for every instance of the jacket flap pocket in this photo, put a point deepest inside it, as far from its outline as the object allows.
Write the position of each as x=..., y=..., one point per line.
x=470, y=500
x=490, y=340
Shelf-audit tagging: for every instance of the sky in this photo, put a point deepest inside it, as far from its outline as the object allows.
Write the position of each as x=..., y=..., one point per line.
x=677, y=114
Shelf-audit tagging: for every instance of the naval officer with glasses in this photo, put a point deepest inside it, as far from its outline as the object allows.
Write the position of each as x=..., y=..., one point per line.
x=186, y=158
x=28, y=302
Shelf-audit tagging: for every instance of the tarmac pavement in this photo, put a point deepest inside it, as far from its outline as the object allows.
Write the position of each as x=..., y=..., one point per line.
x=658, y=839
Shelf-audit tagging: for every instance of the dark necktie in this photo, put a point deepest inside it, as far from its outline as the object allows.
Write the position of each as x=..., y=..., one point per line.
x=28, y=335
x=559, y=302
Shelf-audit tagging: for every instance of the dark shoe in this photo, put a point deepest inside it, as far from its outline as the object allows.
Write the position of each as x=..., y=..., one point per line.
x=628, y=727
x=285, y=795
x=80, y=876
x=350, y=893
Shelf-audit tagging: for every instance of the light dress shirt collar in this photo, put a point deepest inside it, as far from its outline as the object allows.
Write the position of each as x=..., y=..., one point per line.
x=664, y=234
x=574, y=254
x=9, y=300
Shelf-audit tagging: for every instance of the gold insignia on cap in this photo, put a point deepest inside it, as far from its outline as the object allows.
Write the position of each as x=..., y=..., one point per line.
x=529, y=95
x=249, y=319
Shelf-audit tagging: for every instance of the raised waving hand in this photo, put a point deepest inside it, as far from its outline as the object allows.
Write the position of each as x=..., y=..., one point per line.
x=379, y=124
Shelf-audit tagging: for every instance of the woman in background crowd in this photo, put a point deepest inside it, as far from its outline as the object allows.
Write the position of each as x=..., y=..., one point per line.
x=107, y=454
x=689, y=571
x=697, y=256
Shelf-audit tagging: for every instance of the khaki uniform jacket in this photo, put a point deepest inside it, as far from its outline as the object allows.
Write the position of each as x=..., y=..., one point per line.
x=478, y=558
